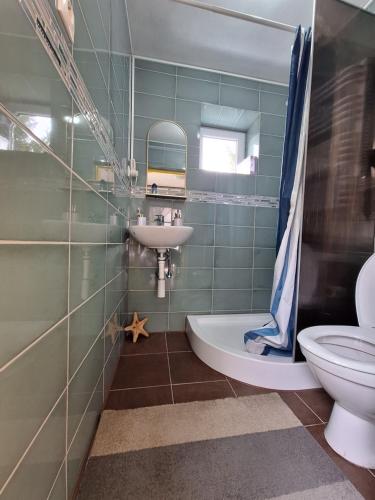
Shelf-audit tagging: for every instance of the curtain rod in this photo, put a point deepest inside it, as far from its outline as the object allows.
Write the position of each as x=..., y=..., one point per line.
x=239, y=15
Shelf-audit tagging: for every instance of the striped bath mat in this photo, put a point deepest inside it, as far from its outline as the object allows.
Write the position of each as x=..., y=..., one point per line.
x=245, y=448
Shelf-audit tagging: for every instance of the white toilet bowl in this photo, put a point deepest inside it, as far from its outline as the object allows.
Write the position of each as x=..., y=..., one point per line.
x=343, y=360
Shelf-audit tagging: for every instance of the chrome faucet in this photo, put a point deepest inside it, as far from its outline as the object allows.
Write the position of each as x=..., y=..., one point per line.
x=159, y=219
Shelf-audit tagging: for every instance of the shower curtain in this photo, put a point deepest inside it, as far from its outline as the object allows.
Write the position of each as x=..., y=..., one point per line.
x=276, y=337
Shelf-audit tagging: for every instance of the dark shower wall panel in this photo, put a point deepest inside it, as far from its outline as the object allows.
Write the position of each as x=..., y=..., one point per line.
x=339, y=211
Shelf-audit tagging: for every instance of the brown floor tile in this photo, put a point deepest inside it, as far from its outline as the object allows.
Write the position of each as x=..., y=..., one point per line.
x=178, y=341
x=187, y=367
x=301, y=411
x=135, y=398
x=155, y=343
x=202, y=391
x=361, y=478
x=141, y=371
x=242, y=389
x=319, y=401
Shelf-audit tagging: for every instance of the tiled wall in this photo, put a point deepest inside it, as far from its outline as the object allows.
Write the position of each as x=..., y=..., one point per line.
x=62, y=278
x=227, y=265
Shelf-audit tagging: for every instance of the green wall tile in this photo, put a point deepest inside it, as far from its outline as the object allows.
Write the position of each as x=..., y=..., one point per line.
x=155, y=66
x=198, y=213
x=233, y=278
x=190, y=300
x=33, y=292
x=235, y=184
x=147, y=302
x=233, y=257
x=197, y=90
x=155, y=83
x=235, y=215
x=142, y=279
x=261, y=299
x=85, y=325
x=266, y=217
x=265, y=237
x=264, y=257
x=267, y=186
x=234, y=236
x=271, y=145
x=263, y=278
x=28, y=394
x=273, y=103
x=239, y=82
x=198, y=74
x=193, y=256
x=37, y=213
x=233, y=300
x=188, y=112
x=87, y=272
x=270, y=165
x=82, y=386
x=185, y=279
x=272, y=124
x=36, y=473
x=153, y=106
x=202, y=235
x=82, y=440
x=277, y=89
x=237, y=97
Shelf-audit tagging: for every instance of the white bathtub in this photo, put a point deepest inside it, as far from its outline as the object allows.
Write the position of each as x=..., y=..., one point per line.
x=218, y=341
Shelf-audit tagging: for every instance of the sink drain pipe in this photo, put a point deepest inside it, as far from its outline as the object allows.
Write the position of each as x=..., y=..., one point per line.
x=162, y=257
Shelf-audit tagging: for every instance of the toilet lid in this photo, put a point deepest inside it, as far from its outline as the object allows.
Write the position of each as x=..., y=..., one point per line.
x=365, y=294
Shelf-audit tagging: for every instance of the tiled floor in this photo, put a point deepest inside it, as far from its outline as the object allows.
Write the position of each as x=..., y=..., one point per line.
x=163, y=369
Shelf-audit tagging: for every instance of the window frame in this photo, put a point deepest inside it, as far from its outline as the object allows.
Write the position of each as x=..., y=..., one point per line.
x=225, y=134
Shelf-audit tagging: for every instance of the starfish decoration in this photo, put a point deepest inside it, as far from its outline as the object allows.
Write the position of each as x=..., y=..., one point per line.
x=137, y=327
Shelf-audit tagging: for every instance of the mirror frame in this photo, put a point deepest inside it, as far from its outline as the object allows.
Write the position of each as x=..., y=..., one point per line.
x=161, y=194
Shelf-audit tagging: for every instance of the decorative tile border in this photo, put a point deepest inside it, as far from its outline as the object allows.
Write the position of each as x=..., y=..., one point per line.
x=219, y=198
x=43, y=21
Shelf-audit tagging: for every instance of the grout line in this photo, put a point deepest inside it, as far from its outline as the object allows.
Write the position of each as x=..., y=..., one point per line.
x=141, y=387
x=314, y=425
x=304, y=402
x=169, y=367
x=68, y=306
x=142, y=354
x=63, y=465
x=230, y=385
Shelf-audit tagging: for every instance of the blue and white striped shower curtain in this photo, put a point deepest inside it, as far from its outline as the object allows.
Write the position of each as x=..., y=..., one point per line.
x=276, y=336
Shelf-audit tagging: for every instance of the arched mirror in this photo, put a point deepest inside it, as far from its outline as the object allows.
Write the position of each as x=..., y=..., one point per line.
x=166, y=160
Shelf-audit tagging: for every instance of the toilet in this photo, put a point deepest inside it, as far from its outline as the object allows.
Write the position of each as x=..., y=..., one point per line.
x=343, y=360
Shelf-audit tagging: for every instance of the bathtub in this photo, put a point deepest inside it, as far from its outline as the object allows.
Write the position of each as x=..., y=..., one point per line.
x=218, y=341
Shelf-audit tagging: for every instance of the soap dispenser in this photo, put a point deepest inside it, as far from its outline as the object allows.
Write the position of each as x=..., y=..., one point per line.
x=177, y=220
x=141, y=219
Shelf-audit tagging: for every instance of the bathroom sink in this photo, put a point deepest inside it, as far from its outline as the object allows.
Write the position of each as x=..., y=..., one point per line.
x=161, y=237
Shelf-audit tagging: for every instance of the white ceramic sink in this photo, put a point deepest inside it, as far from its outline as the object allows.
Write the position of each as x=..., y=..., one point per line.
x=161, y=237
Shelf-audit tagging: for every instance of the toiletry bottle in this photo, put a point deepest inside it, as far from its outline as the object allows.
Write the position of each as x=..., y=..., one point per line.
x=141, y=219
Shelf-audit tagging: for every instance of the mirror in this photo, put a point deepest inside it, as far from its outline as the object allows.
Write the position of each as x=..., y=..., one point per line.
x=166, y=160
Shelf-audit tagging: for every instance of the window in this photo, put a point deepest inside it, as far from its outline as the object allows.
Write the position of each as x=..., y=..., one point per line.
x=223, y=151
x=41, y=126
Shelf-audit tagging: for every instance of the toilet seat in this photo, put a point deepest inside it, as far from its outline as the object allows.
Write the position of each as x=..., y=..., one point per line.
x=352, y=335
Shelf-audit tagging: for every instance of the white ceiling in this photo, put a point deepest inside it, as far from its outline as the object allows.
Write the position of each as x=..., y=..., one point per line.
x=166, y=30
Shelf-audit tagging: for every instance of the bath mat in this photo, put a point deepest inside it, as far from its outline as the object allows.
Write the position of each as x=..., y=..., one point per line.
x=245, y=448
